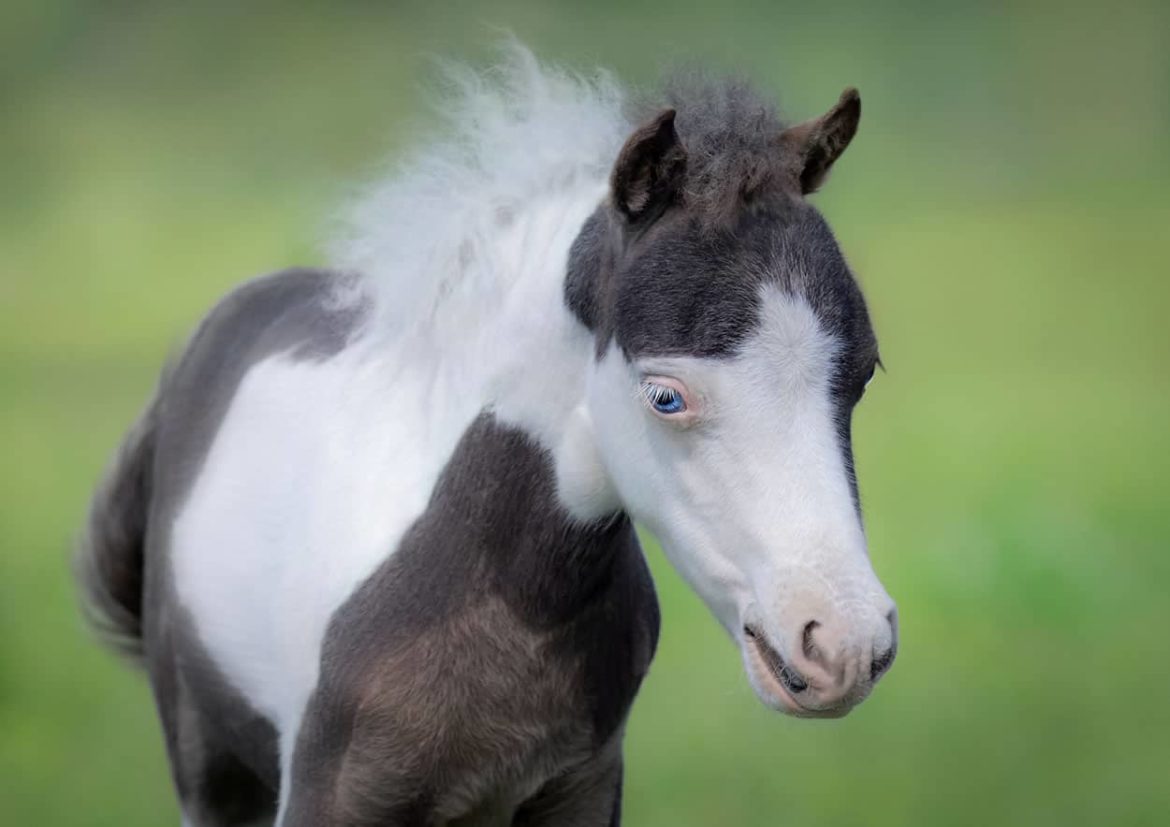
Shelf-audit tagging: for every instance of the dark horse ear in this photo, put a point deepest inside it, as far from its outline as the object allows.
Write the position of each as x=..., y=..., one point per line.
x=649, y=169
x=813, y=146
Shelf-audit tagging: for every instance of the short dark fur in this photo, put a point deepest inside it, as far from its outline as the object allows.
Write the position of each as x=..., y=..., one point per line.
x=499, y=649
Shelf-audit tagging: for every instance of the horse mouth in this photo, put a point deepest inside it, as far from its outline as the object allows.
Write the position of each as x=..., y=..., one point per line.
x=778, y=683
x=792, y=681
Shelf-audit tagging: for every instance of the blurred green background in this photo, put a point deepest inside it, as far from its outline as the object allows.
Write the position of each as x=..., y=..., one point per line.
x=1006, y=206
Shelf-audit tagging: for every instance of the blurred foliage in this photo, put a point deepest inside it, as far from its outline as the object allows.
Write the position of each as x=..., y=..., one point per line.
x=1005, y=205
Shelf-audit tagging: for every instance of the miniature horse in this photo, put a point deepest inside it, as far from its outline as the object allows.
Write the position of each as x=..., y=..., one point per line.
x=373, y=539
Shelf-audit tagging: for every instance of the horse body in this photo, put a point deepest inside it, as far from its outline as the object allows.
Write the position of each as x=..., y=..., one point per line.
x=322, y=463
x=328, y=452
x=372, y=539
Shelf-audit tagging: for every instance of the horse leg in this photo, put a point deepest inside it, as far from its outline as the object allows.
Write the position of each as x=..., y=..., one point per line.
x=215, y=788
x=589, y=795
x=336, y=780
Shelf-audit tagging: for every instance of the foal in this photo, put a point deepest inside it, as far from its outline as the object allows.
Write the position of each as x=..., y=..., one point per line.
x=373, y=540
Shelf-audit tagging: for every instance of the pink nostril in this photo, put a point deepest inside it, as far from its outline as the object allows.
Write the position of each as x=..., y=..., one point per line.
x=821, y=658
x=806, y=644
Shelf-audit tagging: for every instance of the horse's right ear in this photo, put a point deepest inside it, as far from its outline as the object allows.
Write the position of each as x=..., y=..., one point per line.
x=649, y=169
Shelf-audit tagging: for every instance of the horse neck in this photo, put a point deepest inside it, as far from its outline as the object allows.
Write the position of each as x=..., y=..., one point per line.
x=516, y=347
x=499, y=336
x=506, y=328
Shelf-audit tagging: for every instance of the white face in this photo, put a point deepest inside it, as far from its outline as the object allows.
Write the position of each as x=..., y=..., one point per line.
x=737, y=466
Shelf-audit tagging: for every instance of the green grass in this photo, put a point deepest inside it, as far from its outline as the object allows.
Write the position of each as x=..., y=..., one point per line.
x=1005, y=206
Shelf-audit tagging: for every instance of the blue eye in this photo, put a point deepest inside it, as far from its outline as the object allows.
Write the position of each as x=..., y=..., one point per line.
x=665, y=400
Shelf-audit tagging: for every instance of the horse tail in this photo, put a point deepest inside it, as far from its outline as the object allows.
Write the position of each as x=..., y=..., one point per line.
x=110, y=557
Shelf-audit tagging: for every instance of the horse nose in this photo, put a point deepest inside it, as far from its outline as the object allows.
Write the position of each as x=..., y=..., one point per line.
x=818, y=659
x=838, y=666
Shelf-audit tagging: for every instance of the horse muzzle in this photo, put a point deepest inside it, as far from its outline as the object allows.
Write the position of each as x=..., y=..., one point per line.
x=821, y=670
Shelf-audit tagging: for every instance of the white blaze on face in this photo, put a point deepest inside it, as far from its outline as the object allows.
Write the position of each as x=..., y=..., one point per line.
x=748, y=490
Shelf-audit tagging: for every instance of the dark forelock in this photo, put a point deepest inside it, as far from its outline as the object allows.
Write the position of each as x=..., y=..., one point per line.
x=730, y=132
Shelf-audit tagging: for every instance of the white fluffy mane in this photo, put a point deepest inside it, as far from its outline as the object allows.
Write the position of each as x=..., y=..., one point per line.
x=511, y=137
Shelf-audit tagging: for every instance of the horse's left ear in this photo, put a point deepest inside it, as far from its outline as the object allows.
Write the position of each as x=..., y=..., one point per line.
x=813, y=146
x=649, y=169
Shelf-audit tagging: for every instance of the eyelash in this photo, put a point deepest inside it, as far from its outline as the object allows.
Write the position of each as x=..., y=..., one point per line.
x=664, y=399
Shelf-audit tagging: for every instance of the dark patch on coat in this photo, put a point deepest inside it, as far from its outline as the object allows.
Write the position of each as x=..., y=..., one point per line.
x=223, y=752
x=677, y=289
x=497, y=650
